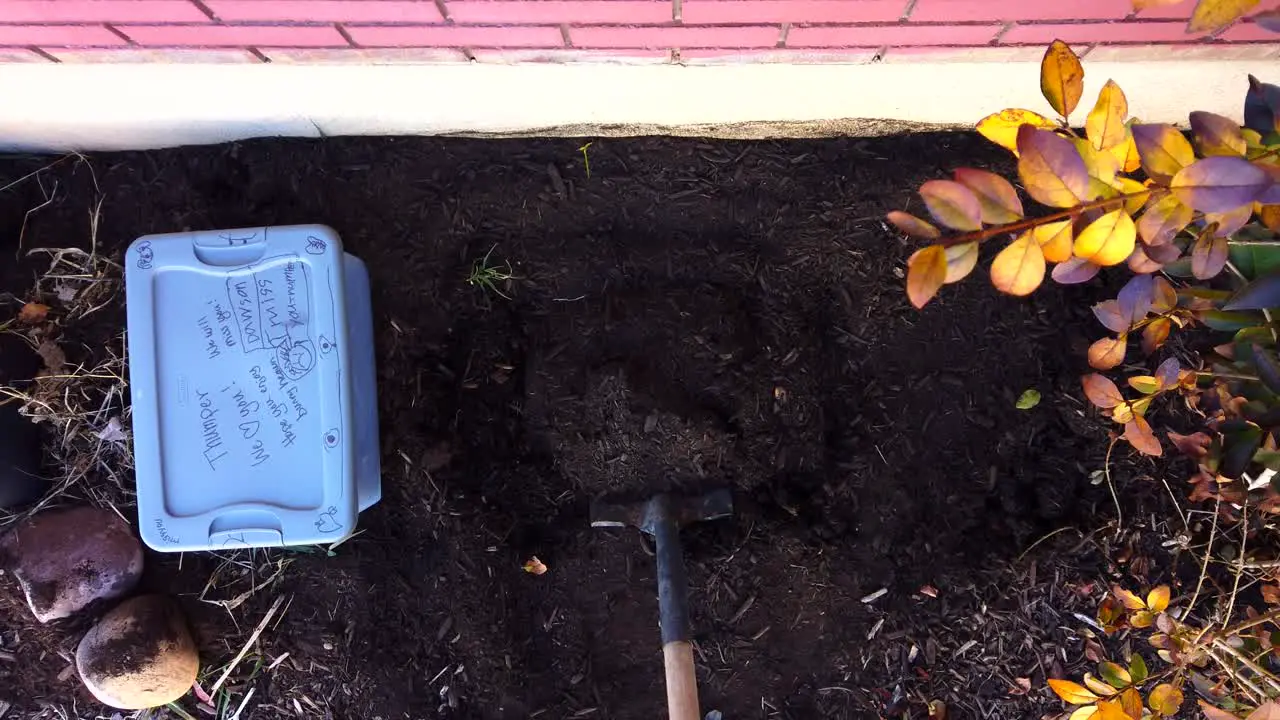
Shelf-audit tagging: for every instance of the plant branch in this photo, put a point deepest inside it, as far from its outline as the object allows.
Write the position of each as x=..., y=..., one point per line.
x=1257, y=669
x=1252, y=623
x=1028, y=223
x=1204, y=567
x=1258, y=695
x=1244, y=539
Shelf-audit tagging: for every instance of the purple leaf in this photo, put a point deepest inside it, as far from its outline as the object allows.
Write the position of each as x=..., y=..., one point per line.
x=1220, y=183
x=1135, y=298
x=1076, y=270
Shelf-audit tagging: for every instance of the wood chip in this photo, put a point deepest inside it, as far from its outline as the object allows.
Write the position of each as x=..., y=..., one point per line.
x=875, y=596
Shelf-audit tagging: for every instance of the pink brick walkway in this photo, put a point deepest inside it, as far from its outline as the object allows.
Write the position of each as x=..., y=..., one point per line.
x=370, y=31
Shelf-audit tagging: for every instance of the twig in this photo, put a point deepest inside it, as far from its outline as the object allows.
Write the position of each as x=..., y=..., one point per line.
x=1243, y=682
x=1244, y=540
x=1072, y=212
x=1046, y=537
x=1204, y=567
x=1253, y=622
x=1257, y=669
x=244, y=650
x=1186, y=525
x=1106, y=471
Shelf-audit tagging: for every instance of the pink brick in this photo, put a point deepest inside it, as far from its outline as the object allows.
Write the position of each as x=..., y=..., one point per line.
x=155, y=56
x=1183, y=9
x=856, y=56
x=1249, y=32
x=1009, y=10
x=233, y=35
x=456, y=36
x=567, y=55
x=364, y=56
x=863, y=36
x=682, y=37
x=87, y=11
x=605, y=12
x=391, y=11
x=1126, y=32
x=58, y=36
x=710, y=12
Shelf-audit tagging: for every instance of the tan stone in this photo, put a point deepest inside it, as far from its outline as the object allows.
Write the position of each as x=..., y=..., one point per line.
x=67, y=559
x=139, y=655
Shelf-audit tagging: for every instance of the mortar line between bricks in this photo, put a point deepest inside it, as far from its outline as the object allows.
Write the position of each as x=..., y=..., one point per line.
x=443, y=8
x=1001, y=33
x=118, y=33
x=906, y=12
x=454, y=23
x=564, y=35
x=783, y=33
x=677, y=11
x=259, y=54
x=345, y=35
x=205, y=9
x=44, y=54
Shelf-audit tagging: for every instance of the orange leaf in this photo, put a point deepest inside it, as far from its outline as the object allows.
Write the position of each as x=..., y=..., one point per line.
x=1218, y=184
x=912, y=226
x=1054, y=239
x=1208, y=256
x=1127, y=152
x=1108, y=240
x=926, y=272
x=1084, y=712
x=1139, y=435
x=998, y=199
x=1142, y=618
x=1002, y=128
x=1165, y=699
x=1217, y=135
x=1164, y=220
x=1163, y=297
x=1071, y=692
x=1019, y=268
x=1158, y=599
x=1051, y=170
x=961, y=259
x=952, y=204
x=1128, y=599
x=1141, y=5
x=1163, y=150
x=1131, y=702
x=1213, y=15
x=33, y=313
x=1155, y=334
x=1104, y=393
x=1107, y=353
x=1270, y=216
x=534, y=566
x=1110, y=710
x=1061, y=78
x=1104, y=125
x=1212, y=712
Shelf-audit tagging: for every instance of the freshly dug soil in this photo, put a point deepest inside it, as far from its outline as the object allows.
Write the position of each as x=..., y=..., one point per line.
x=690, y=315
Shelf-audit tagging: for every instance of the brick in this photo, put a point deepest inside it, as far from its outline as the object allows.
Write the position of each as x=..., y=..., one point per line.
x=856, y=56
x=390, y=11
x=363, y=56
x=1183, y=9
x=582, y=12
x=1249, y=32
x=864, y=36
x=455, y=36
x=20, y=55
x=762, y=36
x=1183, y=53
x=233, y=35
x=1125, y=32
x=170, y=56
x=605, y=57
x=90, y=11
x=1011, y=10
x=58, y=36
x=981, y=54
x=714, y=12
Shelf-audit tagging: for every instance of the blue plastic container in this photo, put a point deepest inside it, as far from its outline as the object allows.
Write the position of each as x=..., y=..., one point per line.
x=251, y=366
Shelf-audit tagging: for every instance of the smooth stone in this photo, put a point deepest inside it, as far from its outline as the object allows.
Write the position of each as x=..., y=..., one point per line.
x=66, y=560
x=139, y=655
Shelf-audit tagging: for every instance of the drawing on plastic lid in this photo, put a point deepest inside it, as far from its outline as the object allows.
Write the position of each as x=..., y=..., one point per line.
x=145, y=255
x=328, y=521
x=316, y=246
x=332, y=437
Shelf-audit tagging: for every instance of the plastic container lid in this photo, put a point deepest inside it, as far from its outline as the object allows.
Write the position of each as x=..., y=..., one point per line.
x=241, y=377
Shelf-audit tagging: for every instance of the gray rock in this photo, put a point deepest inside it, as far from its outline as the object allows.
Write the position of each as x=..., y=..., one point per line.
x=67, y=559
x=139, y=655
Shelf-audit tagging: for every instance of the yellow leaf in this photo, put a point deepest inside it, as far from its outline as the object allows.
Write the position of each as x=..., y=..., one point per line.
x=997, y=198
x=1122, y=413
x=1126, y=152
x=961, y=260
x=1158, y=599
x=1213, y=15
x=1061, y=78
x=1217, y=135
x=1107, y=353
x=1098, y=686
x=1137, y=191
x=1145, y=384
x=1019, y=268
x=1130, y=600
x=1165, y=699
x=1164, y=220
x=913, y=226
x=1142, y=618
x=1002, y=128
x=1105, y=123
x=1071, y=692
x=1084, y=712
x=1163, y=150
x=1054, y=239
x=1100, y=164
x=1109, y=240
x=1270, y=216
x=1115, y=674
x=926, y=272
x=952, y=204
x=1110, y=710
x=1051, y=169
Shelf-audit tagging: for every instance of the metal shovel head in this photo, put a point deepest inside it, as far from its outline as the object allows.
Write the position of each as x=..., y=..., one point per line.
x=682, y=509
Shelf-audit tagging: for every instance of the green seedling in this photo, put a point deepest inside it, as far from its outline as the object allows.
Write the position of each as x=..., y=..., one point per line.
x=486, y=276
x=586, y=163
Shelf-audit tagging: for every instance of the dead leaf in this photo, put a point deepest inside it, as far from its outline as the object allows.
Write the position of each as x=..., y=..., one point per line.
x=534, y=566
x=1021, y=686
x=33, y=313
x=54, y=359
x=929, y=590
x=113, y=432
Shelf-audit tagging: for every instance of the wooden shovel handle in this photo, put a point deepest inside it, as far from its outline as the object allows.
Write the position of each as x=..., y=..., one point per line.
x=682, y=684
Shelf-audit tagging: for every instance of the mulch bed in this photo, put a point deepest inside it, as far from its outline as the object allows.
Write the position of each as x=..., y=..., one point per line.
x=694, y=314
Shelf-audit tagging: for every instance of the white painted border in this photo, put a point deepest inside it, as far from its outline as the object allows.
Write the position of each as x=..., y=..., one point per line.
x=116, y=107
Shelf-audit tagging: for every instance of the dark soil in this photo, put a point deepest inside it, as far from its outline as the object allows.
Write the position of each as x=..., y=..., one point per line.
x=692, y=315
